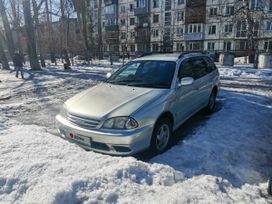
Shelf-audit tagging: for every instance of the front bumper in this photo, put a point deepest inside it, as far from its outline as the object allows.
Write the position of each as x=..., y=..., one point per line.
x=114, y=142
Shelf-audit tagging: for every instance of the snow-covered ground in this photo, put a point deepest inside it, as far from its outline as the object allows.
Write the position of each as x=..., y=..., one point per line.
x=222, y=158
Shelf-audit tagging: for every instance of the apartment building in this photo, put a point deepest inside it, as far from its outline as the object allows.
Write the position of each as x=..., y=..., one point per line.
x=137, y=26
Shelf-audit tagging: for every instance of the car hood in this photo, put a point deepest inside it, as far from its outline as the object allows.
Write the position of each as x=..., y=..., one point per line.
x=108, y=100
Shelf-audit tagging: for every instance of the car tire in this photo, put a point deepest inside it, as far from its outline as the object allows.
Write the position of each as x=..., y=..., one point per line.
x=161, y=137
x=270, y=187
x=209, y=109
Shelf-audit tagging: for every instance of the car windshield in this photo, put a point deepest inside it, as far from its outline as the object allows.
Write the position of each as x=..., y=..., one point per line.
x=151, y=74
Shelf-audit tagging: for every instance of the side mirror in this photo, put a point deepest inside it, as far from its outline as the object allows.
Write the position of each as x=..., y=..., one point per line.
x=108, y=75
x=186, y=81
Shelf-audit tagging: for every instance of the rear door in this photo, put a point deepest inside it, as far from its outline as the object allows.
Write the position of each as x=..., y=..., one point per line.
x=203, y=81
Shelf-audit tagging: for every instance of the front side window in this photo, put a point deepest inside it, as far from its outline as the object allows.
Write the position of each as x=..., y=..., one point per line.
x=149, y=74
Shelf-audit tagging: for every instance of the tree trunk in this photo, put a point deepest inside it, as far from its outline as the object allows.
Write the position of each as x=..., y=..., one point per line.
x=30, y=36
x=64, y=37
x=3, y=58
x=38, y=32
x=8, y=32
x=100, y=47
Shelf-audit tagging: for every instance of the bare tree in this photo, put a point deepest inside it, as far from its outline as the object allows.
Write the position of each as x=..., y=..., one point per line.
x=252, y=17
x=84, y=18
x=100, y=47
x=30, y=36
x=6, y=24
x=3, y=58
x=36, y=9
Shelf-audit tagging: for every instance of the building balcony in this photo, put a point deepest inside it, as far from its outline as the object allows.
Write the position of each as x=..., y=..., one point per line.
x=111, y=28
x=142, y=11
x=194, y=36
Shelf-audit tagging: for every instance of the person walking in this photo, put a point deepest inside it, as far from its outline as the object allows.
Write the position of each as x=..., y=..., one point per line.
x=18, y=61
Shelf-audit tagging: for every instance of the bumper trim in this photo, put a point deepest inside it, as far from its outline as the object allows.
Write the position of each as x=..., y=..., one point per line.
x=114, y=142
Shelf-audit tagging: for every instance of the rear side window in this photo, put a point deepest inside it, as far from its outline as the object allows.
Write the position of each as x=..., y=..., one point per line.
x=199, y=67
x=210, y=65
x=196, y=67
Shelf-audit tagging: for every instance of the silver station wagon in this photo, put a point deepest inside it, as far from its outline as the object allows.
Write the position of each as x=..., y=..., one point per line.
x=141, y=104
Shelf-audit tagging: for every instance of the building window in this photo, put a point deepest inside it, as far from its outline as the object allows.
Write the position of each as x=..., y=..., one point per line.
x=131, y=7
x=180, y=15
x=180, y=2
x=241, y=29
x=132, y=35
x=105, y=48
x=123, y=35
x=268, y=46
x=155, y=33
x=179, y=32
x=167, y=20
x=229, y=10
x=228, y=28
x=141, y=3
x=212, y=30
x=270, y=5
x=123, y=22
x=211, y=45
x=269, y=25
x=255, y=4
x=156, y=18
x=180, y=47
x=255, y=29
x=123, y=9
x=193, y=28
x=243, y=45
x=132, y=48
x=227, y=46
x=213, y=11
x=124, y=48
x=155, y=47
x=168, y=4
x=131, y=21
x=156, y=3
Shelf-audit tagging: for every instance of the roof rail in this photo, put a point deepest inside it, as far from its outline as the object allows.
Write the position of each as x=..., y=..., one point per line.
x=192, y=52
x=151, y=53
x=145, y=54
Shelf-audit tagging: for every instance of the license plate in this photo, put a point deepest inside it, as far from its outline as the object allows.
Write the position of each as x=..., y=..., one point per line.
x=81, y=139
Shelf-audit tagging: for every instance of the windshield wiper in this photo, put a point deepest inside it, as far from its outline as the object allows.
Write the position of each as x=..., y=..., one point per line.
x=123, y=82
x=159, y=85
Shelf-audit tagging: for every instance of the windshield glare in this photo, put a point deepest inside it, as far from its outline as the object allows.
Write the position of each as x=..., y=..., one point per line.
x=151, y=74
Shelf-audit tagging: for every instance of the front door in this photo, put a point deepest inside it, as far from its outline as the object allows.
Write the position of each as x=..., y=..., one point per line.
x=186, y=96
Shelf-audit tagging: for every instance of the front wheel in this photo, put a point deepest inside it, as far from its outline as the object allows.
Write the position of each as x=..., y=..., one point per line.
x=161, y=136
x=270, y=186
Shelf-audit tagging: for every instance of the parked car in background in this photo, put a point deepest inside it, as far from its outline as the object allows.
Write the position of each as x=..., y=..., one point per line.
x=141, y=104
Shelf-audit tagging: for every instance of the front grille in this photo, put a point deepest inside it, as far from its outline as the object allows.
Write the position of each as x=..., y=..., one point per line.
x=83, y=122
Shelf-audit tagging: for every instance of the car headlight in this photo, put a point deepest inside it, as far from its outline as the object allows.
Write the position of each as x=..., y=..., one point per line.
x=124, y=123
x=63, y=110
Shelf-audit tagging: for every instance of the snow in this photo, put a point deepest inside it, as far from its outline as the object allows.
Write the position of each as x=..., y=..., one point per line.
x=221, y=158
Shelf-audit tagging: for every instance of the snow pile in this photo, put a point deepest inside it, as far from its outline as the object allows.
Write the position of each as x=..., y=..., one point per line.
x=245, y=72
x=37, y=167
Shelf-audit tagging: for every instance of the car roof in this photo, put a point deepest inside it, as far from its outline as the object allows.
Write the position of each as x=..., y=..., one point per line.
x=169, y=56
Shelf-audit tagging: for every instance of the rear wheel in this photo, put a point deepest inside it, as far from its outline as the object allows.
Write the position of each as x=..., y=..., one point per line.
x=161, y=136
x=212, y=102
